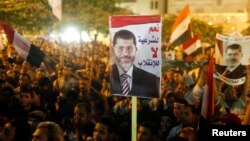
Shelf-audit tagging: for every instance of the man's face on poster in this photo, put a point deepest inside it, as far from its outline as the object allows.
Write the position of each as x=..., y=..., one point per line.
x=125, y=51
x=233, y=57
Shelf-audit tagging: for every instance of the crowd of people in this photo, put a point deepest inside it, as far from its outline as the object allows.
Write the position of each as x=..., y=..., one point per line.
x=75, y=103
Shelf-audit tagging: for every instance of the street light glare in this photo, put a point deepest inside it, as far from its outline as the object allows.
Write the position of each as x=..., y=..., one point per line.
x=85, y=37
x=71, y=35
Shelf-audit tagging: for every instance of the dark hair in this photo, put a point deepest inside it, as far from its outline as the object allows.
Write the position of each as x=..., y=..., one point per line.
x=8, y=91
x=37, y=114
x=234, y=46
x=44, y=81
x=25, y=89
x=151, y=126
x=196, y=111
x=22, y=129
x=178, y=99
x=72, y=95
x=108, y=121
x=34, y=90
x=124, y=34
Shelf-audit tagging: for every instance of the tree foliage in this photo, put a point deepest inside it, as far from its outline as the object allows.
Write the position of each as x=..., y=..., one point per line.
x=26, y=15
x=207, y=33
x=91, y=14
x=36, y=15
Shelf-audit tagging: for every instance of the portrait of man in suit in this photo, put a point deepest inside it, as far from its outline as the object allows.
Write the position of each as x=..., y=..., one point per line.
x=126, y=79
x=234, y=73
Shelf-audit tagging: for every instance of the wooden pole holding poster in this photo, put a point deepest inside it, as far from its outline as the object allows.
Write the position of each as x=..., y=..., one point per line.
x=134, y=118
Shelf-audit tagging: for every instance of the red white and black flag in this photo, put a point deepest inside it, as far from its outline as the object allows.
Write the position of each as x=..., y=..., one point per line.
x=24, y=47
x=56, y=6
x=192, y=46
x=207, y=109
x=181, y=30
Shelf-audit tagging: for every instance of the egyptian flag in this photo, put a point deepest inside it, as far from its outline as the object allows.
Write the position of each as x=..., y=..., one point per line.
x=192, y=46
x=56, y=6
x=207, y=109
x=181, y=30
x=24, y=47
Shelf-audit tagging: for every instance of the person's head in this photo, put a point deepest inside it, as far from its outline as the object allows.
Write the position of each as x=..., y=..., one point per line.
x=16, y=130
x=147, y=131
x=44, y=85
x=93, y=99
x=40, y=73
x=124, y=46
x=81, y=113
x=233, y=55
x=35, y=96
x=178, y=76
x=25, y=96
x=189, y=134
x=166, y=123
x=6, y=96
x=104, y=128
x=24, y=79
x=48, y=131
x=169, y=96
x=169, y=75
x=3, y=121
x=179, y=104
x=189, y=116
x=35, y=117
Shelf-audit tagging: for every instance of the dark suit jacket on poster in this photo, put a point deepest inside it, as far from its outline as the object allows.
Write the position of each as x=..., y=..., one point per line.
x=144, y=84
x=239, y=72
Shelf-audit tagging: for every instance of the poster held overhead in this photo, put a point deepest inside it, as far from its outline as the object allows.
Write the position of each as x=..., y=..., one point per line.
x=135, y=52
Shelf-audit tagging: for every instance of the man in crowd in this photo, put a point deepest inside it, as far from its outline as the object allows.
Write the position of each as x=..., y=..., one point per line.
x=48, y=131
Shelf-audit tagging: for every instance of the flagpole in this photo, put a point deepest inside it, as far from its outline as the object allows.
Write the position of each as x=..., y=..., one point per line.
x=134, y=119
x=92, y=64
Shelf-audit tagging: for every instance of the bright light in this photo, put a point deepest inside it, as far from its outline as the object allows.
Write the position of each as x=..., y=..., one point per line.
x=210, y=23
x=52, y=35
x=71, y=35
x=85, y=37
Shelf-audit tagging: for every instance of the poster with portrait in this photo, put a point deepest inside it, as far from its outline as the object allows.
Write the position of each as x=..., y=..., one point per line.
x=135, y=55
x=231, y=72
